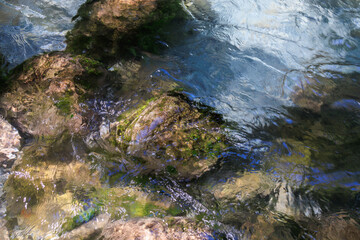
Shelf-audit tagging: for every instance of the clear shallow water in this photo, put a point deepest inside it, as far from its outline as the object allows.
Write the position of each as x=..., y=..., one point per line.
x=285, y=74
x=251, y=54
x=28, y=27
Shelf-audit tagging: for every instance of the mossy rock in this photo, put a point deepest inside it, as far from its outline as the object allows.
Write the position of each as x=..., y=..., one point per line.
x=109, y=28
x=171, y=136
x=46, y=91
x=68, y=195
x=120, y=203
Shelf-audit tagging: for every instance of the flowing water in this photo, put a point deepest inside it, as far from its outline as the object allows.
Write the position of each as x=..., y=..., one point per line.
x=286, y=77
x=28, y=27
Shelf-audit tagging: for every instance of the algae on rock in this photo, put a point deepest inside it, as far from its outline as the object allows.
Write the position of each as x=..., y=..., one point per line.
x=170, y=135
x=45, y=94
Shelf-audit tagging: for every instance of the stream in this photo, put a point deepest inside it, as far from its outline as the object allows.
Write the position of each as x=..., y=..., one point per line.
x=284, y=74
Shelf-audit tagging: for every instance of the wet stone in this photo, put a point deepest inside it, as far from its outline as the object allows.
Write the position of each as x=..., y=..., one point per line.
x=338, y=226
x=108, y=28
x=88, y=230
x=172, y=136
x=155, y=228
x=9, y=143
x=4, y=233
x=46, y=93
x=245, y=187
x=9, y=152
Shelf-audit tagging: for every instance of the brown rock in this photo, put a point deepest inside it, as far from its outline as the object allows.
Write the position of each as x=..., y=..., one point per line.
x=245, y=187
x=88, y=230
x=170, y=134
x=110, y=27
x=45, y=94
x=122, y=15
x=339, y=226
x=155, y=228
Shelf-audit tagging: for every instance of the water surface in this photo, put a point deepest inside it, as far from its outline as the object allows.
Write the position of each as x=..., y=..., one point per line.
x=284, y=74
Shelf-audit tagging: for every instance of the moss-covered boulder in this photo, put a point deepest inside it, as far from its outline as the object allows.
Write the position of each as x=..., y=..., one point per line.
x=110, y=27
x=46, y=92
x=155, y=228
x=169, y=134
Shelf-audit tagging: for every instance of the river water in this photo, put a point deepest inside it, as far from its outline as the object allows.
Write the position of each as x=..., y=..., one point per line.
x=286, y=77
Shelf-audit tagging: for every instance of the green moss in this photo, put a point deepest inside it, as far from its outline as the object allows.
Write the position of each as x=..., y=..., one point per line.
x=25, y=188
x=64, y=105
x=90, y=65
x=88, y=62
x=172, y=170
x=174, y=211
x=93, y=69
x=81, y=218
x=125, y=120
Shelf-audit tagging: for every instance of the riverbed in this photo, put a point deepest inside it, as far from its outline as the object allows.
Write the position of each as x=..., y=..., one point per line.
x=285, y=76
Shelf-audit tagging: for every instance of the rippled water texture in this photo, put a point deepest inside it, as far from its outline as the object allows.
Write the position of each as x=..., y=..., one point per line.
x=249, y=55
x=28, y=27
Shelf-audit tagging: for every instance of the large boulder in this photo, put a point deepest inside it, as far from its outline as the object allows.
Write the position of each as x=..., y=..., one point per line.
x=171, y=135
x=46, y=93
x=109, y=27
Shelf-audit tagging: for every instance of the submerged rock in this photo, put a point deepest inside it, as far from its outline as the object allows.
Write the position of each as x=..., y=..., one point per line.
x=57, y=197
x=320, y=92
x=9, y=143
x=9, y=152
x=155, y=228
x=46, y=92
x=4, y=233
x=339, y=226
x=245, y=187
x=169, y=134
x=107, y=28
x=88, y=230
